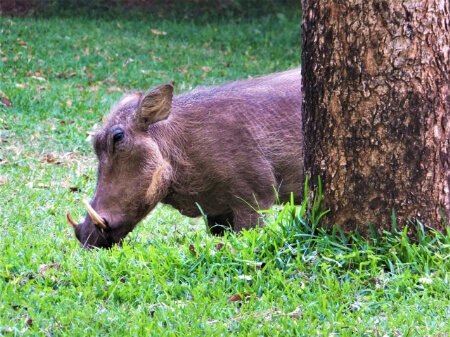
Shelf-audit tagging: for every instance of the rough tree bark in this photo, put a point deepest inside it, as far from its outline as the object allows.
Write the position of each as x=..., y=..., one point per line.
x=377, y=109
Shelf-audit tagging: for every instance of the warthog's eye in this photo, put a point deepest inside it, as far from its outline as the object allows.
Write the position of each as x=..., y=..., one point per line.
x=118, y=134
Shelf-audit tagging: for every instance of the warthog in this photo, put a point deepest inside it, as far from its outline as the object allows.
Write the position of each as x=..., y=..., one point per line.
x=230, y=150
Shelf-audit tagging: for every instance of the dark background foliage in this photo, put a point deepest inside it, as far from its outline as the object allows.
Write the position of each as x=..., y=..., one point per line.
x=184, y=9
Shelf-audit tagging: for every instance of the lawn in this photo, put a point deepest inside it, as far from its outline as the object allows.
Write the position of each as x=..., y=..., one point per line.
x=58, y=78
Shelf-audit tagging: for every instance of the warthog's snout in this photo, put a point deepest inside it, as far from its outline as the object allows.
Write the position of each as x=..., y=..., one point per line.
x=94, y=232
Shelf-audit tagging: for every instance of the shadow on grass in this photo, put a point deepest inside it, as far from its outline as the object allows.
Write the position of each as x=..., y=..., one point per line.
x=192, y=10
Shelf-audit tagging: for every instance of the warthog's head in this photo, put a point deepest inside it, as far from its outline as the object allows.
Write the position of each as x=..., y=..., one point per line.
x=132, y=173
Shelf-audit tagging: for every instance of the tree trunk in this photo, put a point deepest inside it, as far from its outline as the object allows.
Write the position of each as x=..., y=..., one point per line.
x=376, y=110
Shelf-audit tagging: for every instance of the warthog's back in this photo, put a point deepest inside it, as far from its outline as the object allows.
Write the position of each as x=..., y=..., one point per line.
x=241, y=139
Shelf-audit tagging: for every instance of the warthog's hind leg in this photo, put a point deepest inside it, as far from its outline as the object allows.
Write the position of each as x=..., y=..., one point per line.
x=246, y=216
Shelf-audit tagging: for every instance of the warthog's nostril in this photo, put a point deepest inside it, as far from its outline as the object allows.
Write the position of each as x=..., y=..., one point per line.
x=106, y=223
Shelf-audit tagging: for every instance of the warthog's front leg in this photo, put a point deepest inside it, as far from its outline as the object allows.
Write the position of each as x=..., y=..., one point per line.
x=218, y=224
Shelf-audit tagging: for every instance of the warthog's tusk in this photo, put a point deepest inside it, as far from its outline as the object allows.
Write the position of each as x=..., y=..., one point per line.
x=70, y=220
x=98, y=220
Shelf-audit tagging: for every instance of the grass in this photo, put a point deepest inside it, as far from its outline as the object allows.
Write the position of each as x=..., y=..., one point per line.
x=170, y=277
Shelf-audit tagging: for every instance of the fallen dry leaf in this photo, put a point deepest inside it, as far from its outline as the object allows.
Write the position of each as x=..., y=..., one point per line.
x=3, y=180
x=62, y=75
x=112, y=89
x=58, y=158
x=296, y=313
x=93, y=89
x=3, y=95
x=43, y=87
x=267, y=315
x=5, y=99
x=44, y=267
x=238, y=297
x=29, y=321
x=39, y=78
x=158, y=32
x=234, y=298
x=192, y=250
x=221, y=245
x=6, y=102
x=50, y=158
x=90, y=74
x=16, y=307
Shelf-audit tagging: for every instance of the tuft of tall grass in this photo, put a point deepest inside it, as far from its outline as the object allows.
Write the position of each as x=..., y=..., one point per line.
x=295, y=234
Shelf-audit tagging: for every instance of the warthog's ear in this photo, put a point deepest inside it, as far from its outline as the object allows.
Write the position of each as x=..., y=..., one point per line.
x=155, y=106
